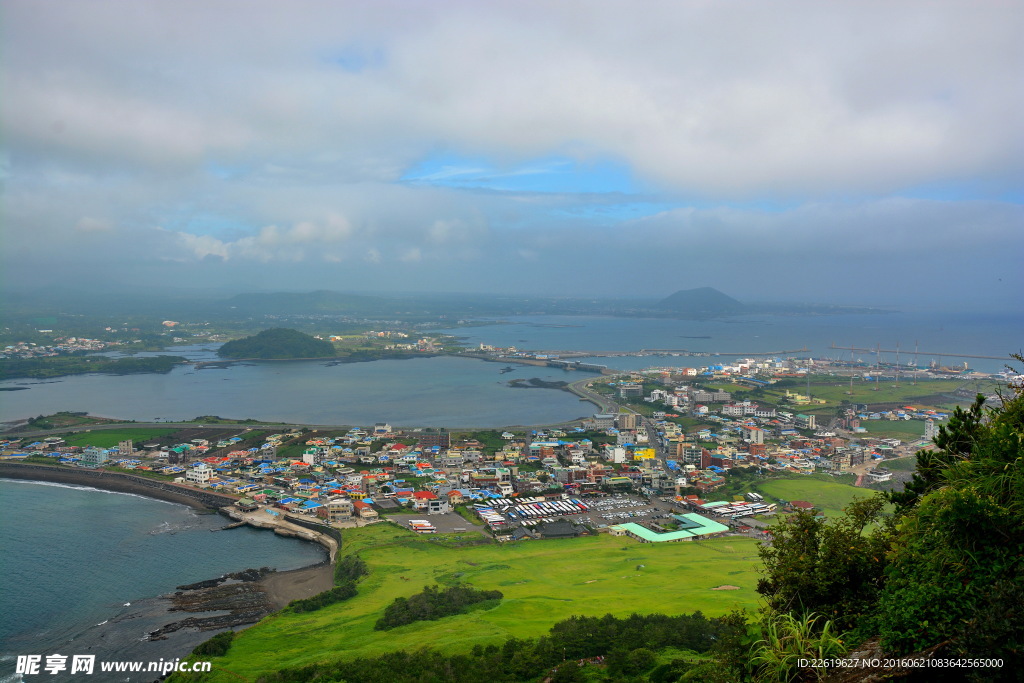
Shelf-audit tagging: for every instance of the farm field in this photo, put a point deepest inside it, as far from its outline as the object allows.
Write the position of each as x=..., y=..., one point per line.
x=109, y=439
x=829, y=497
x=543, y=582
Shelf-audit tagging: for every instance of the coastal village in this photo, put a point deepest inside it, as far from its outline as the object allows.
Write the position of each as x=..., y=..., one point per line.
x=638, y=471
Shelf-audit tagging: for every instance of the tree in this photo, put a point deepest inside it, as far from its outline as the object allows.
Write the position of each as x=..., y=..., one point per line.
x=957, y=564
x=955, y=441
x=834, y=569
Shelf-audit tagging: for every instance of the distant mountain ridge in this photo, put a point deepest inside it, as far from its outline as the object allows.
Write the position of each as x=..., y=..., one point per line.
x=702, y=302
x=291, y=302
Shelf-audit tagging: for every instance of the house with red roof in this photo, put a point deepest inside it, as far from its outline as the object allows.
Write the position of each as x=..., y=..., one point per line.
x=421, y=499
x=364, y=510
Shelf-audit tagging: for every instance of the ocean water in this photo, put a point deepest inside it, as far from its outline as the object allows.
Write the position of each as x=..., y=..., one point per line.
x=81, y=568
x=939, y=336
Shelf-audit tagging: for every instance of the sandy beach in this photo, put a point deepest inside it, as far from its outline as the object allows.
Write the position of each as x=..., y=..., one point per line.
x=283, y=587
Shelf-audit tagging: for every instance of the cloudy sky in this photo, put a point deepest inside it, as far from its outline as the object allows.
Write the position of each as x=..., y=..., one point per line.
x=858, y=152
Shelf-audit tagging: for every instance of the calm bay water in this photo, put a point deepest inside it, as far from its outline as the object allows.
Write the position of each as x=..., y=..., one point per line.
x=439, y=391
x=445, y=391
x=81, y=567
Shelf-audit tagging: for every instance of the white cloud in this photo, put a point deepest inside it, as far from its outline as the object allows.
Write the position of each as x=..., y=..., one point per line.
x=284, y=143
x=202, y=246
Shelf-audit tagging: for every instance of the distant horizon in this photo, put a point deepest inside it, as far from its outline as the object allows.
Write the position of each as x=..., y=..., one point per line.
x=55, y=292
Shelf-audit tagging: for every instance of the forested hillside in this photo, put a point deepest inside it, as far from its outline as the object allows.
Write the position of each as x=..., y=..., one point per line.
x=278, y=343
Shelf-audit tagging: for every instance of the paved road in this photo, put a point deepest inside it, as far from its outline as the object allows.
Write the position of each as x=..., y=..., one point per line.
x=604, y=404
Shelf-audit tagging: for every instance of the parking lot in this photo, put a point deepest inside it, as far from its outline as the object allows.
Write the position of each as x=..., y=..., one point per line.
x=601, y=511
x=619, y=509
x=446, y=523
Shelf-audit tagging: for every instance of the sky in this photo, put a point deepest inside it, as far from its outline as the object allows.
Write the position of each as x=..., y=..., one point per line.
x=851, y=152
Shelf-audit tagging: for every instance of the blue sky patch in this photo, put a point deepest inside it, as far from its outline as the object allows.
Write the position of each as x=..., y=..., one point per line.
x=554, y=174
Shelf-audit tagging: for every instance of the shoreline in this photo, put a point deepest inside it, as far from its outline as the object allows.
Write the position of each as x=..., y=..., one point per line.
x=279, y=587
x=118, y=483
x=172, y=493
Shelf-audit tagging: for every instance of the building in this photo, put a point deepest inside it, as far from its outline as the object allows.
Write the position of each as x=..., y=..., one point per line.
x=199, y=475
x=603, y=421
x=754, y=435
x=337, y=509
x=690, y=526
x=702, y=396
x=364, y=510
x=421, y=499
x=125, y=448
x=441, y=439
x=878, y=475
x=94, y=457
x=627, y=421
x=631, y=390
x=805, y=421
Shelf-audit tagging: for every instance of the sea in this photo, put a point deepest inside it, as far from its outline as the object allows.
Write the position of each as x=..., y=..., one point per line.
x=82, y=570
x=464, y=392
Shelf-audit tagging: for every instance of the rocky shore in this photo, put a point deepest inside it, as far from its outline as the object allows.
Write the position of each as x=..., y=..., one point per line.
x=238, y=598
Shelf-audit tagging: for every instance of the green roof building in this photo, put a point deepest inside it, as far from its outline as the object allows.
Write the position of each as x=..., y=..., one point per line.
x=691, y=526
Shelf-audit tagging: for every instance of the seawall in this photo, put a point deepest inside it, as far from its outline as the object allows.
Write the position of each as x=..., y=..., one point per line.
x=116, y=481
x=290, y=526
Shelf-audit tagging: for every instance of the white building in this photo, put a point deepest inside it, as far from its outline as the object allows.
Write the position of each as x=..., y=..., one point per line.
x=199, y=475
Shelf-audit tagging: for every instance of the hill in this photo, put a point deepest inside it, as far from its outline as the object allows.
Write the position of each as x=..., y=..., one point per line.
x=279, y=343
x=703, y=302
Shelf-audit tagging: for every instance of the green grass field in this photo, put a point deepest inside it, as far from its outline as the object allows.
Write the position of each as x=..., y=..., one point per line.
x=835, y=391
x=829, y=497
x=907, y=430
x=110, y=438
x=901, y=464
x=543, y=582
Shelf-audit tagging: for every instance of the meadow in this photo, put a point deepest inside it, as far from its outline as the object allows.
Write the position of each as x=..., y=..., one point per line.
x=111, y=438
x=901, y=464
x=829, y=497
x=543, y=582
x=834, y=391
x=905, y=430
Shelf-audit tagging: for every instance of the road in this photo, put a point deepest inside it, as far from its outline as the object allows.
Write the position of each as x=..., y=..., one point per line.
x=581, y=388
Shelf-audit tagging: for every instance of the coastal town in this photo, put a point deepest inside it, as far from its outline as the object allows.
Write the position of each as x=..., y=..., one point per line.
x=668, y=460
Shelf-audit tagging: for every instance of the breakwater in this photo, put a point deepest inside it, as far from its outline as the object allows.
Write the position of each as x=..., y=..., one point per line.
x=291, y=527
x=116, y=481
